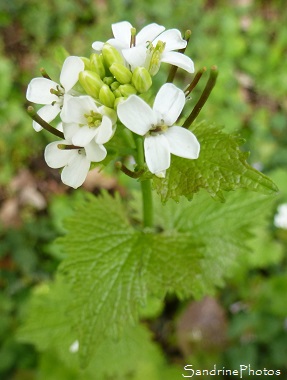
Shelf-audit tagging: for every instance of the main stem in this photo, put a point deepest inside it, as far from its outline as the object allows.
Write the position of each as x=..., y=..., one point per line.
x=147, y=202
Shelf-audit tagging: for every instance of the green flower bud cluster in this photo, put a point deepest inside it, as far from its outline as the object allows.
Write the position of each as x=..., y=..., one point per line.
x=107, y=79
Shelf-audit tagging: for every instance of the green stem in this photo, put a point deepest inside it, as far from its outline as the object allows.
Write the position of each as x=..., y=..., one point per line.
x=43, y=123
x=119, y=165
x=203, y=98
x=147, y=202
x=194, y=82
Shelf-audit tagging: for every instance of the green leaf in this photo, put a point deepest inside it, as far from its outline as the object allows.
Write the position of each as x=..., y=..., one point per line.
x=104, y=268
x=221, y=166
x=224, y=234
x=112, y=265
x=223, y=229
x=47, y=324
x=50, y=329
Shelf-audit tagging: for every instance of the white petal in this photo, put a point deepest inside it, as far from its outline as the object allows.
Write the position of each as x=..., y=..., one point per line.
x=161, y=174
x=76, y=108
x=119, y=45
x=60, y=127
x=70, y=129
x=169, y=103
x=98, y=46
x=37, y=127
x=38, y=91
x=70, y=72
x=136, y=115
x=75, y=172
x=104, y=131
x=149, y=33
x=47, y=113
x=182, y=142
x=157, y=153
x=179, y=60
x=95, y=152
x=172, y=39
x=55, y=157
x=135, y=56
x=84, y=135
x=122, y=32
x=64, y=109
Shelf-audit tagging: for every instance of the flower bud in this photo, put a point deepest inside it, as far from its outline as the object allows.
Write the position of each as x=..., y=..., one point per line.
x=97, y=64
x=108, y=80
x=117, y=93
x=141, y=79
x=127, y=90
x=87, y=63
x=114, y=86
x=121, y=73
x=118, y=101
x=110, y=113
x=111, y=55
x=106, y=96
x=91, y=82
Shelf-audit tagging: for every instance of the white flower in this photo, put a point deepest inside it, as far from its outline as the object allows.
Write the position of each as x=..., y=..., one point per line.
x=122, y=35
x=280, y=219
x=161, y=137
x=76, y=162
x=84, y=121
x=51, y=94
x=153, y=45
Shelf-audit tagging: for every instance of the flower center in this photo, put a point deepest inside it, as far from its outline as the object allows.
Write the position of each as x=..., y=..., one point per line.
x=156, y=129
x=81, y=152
x=153, y=57
x=60, y=92
x=94, y=119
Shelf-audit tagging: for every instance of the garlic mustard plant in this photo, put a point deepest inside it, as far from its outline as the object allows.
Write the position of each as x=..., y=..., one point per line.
x=108, y=103
x=112, y=111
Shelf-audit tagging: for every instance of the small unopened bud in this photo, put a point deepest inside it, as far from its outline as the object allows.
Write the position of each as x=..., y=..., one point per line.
x=97, y=64
x=106, y=96
x=111, y=55
x=114, y=86
x=91, y=82
x=108, y=80
x=141, y=79
x=121, y=73
x=127, y=90
x=110, y=113
x=117, y=93
x=118, y=101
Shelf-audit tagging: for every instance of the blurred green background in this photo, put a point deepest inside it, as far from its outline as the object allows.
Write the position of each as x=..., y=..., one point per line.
x=246, y=321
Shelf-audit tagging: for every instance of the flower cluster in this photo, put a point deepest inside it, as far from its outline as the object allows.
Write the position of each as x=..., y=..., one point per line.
x=97, y=94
